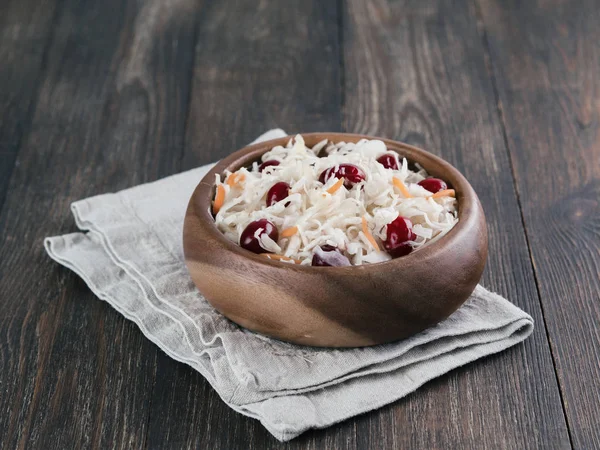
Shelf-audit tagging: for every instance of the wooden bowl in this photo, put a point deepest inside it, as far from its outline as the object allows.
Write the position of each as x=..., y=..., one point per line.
x=337, y=306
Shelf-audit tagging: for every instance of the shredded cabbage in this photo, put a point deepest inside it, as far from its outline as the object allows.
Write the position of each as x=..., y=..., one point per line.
x=332, y=219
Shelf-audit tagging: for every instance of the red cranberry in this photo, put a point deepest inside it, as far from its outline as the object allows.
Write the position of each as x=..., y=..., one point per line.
x=249, y=241
x=388, y=161
x=349, y=172
x=433, y=184
x=278, y=192
x=269, y=163
x=399, y=233
x=329, y=256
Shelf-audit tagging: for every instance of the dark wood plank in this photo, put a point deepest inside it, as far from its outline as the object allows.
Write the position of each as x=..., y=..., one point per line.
x=25, y=34
x=416, y=71
x=546, y=60
x=110, y=114
x=263, y=68
x=255, y=69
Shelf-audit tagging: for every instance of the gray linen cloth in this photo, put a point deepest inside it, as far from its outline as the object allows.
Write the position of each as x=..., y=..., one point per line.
x=130, y=254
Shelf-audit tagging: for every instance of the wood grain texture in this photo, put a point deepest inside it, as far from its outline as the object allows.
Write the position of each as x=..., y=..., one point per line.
x=261, y=66
x=98, y=96
x=416, y=72
x=110, y=113
x=25, y=34
x=258, y=66
x=546, y=60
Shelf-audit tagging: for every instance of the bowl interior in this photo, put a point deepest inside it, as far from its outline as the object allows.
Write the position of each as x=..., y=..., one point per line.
x=435, y=166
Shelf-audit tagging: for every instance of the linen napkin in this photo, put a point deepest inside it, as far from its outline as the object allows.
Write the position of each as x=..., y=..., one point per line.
x=130, y=254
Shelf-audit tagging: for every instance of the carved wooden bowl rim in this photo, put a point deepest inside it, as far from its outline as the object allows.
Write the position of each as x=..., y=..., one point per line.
x=469, y=210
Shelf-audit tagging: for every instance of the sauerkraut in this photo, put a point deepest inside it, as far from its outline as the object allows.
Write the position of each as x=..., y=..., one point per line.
x=323, y=212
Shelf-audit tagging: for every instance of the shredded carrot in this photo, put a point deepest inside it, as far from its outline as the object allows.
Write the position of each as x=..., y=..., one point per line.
x=368, y=234
x=289, y=232
x=219, y=198
x=338, y=184
x=276, y=257
x=444, y=193
x=400, y=185
x=235, y=178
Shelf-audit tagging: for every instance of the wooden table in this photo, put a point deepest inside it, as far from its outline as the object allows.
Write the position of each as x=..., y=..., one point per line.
x=99, y=96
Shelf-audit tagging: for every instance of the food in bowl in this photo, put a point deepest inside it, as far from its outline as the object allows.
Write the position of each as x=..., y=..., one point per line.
x=298, y=303
x=335, y=204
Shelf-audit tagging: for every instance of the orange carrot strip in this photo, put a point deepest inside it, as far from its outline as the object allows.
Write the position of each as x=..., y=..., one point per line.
x=219, y=198
x=277, y=257
x=400, y=185
x=368, y=234
x=235, y=178
x=289, y=232
x=444, y=193
x=336, y=186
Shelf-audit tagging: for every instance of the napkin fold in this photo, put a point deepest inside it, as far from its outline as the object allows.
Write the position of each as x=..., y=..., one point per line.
x=130, y=254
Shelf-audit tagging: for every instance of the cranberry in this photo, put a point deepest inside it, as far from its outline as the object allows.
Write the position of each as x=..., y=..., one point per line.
x=269, y=163
x=249, y=241
x=399, y=233
x=278, y=192
x=330, y=256
x=389, y=161
x=349, y=172
x=433, y=184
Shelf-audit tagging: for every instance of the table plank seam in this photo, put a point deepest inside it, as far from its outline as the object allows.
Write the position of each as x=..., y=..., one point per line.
x=490, y=67
x=341, y=63
x=189, y=99
x=179, y=164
